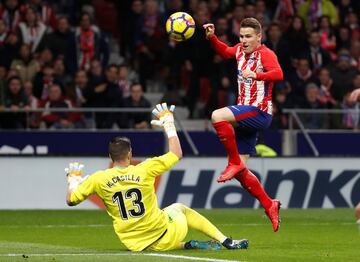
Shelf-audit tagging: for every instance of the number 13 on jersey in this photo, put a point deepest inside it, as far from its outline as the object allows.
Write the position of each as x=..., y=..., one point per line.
x=134, y=195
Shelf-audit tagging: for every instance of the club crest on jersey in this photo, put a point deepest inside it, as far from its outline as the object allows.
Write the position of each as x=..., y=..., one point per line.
x=244, y=80
x=252, y=60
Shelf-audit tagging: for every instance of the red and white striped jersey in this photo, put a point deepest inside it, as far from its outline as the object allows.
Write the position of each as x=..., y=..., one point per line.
x=254, y=92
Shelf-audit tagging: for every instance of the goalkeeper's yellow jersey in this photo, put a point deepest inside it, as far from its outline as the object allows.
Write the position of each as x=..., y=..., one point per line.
x=130, y=199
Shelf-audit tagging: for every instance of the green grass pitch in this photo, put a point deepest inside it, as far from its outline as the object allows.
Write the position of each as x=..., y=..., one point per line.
x=304, y=235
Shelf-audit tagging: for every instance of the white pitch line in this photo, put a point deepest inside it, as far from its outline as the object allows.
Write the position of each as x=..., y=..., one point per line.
x=296, y=224
x=190, y=258
x=226, y=224
x=123, y=254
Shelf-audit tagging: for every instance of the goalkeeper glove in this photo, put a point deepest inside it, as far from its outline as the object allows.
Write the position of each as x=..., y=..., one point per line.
x=74, y=175
x=166, y=118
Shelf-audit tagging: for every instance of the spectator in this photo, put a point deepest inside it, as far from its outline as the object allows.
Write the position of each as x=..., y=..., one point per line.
x=114, y=92
x=222, y=30
x=250, y=10
x=298, y=81
x=137, y=100
x=60, y=120
x=9, y=12
x=33, y=100
x=283, y=12
x=150, y=42
x=260, y=8
x=59, y=40
x=356, y=82
x=355, y=54
x=132, y=28
x=351, y=114
x=313, y=120
x=35, y=117
x=173, y=6
x=280, y=119
x=3, y=72
x=80, y=92
x=45, y=57
x=223, y=77
x=199, y=64
x=311, y=10
x=25, y=64
x=343, y=38
x=124, y=81
x=3, y=41
x=45, y=13
x=345, y=7
x=32, y=30
x=96, y=75
x=317, y=56
x=214, y=9
x=3, y=32
x=238, y=14
x=353, y=22
x=108, y=94
x=296, y=37
x=342, y=74
x=279, y=45
x=2, y=86
x=89, y=43
x=43, y=80
x=11, y=73
x=60, y=74
x=15, y=99
x=327, y=36
x=9, y=50
x=325, y=93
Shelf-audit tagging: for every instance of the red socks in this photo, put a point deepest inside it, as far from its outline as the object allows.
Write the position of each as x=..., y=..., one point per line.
x=226, y=134
x=250, y=182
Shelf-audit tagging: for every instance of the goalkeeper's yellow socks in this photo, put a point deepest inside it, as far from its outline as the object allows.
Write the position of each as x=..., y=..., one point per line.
x=200, y=223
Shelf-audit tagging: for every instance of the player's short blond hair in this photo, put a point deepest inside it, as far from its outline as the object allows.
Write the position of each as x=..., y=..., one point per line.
x=252, y=23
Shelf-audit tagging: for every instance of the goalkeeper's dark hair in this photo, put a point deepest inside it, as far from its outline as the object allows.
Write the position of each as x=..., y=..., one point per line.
x=119, y=147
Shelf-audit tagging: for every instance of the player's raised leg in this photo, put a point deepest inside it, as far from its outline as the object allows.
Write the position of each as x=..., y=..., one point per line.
x=250, y=182
x=250, y=119
x=221, y=120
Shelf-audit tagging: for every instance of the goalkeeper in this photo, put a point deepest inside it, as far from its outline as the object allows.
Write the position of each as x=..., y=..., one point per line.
x=129, y=196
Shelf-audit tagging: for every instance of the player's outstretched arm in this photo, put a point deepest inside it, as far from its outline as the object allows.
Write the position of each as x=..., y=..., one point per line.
x=165, y=119
x=74, y=178
x=220, y=48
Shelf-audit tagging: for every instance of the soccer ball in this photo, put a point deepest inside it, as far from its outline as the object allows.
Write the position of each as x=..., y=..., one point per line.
x=180, y=26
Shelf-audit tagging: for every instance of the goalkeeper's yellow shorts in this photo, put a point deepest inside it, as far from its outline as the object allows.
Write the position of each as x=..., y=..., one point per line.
x=176, y=230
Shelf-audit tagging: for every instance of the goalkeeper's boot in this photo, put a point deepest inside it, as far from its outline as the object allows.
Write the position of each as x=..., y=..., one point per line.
x=236, y=244
x=230, y=172
x=208, y=245
x=273, y=213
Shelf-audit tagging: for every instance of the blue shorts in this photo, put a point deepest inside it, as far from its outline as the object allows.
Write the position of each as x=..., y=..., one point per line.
x=250, y=120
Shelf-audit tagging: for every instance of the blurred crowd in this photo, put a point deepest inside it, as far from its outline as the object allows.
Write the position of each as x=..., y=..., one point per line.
x=103, y=53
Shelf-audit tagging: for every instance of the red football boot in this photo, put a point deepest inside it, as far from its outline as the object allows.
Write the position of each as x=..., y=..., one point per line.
x=230, y=172
x=273, y=213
